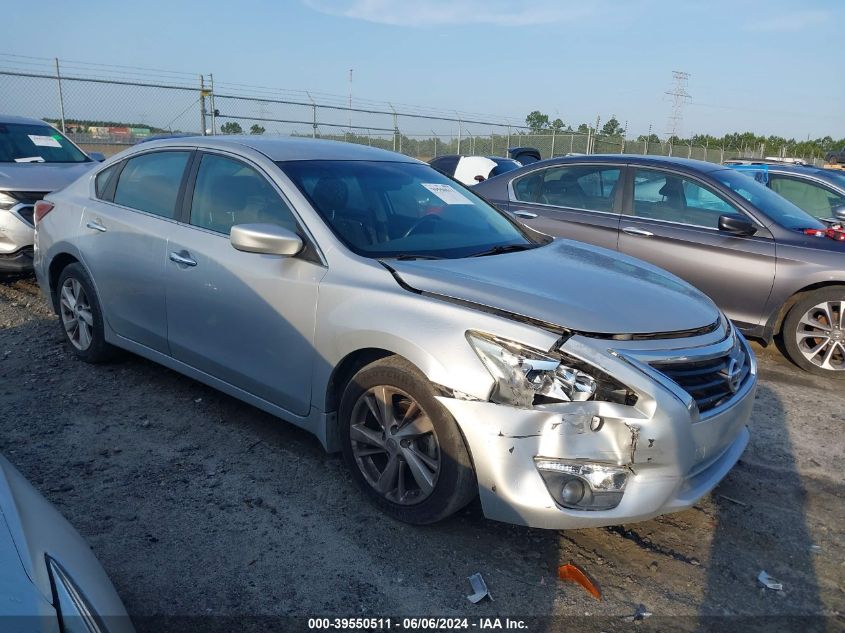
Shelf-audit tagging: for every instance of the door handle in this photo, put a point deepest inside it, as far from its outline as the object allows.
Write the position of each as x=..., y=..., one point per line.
x=95, y=224
x=183, y=260
x=630, y=230
x=525, y=214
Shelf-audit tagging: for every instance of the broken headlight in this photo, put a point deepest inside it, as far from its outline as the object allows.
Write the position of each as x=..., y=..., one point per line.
x=525, y=376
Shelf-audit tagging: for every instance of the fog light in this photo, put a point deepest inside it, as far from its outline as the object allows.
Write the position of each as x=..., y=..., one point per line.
x=572, y=491
x=583, y=485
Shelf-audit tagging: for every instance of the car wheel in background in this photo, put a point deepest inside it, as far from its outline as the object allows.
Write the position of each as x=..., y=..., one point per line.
x=80, y=316
x=814, y=332
x=402, y=446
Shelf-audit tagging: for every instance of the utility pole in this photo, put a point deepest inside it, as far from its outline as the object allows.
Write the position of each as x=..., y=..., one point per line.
x=680, y=96
x=647, y=139
x=350, y=98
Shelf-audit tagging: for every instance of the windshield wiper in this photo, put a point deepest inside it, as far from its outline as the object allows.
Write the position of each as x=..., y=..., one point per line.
x=409, y=257
x=508, y=248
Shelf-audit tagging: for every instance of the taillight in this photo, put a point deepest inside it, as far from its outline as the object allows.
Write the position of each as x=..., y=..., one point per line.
x=42, y=208
x=834, y=233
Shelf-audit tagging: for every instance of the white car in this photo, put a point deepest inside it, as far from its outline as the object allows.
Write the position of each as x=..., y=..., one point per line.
x=35, y=159
x=470, y=170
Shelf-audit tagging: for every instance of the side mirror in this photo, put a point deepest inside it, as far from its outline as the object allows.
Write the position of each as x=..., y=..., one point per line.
x=97, y=156
x=839, y=213
x=736, y=224
x=269, y=239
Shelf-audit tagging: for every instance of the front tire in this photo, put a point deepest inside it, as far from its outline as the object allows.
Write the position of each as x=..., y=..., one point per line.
x=814, y=332
x=402, y=446
x=80, y=315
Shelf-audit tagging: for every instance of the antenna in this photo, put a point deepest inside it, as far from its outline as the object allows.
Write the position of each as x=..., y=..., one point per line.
x=680, y=96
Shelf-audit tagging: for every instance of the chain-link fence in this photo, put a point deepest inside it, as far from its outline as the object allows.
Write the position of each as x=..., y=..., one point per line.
x=106, y=108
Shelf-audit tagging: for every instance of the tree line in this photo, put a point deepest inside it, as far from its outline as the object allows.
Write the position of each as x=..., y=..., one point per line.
x=540, y=123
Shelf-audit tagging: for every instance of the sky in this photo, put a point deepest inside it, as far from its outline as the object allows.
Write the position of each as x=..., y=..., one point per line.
x=767, y=66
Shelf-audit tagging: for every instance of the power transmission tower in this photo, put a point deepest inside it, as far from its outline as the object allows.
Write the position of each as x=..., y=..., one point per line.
x=680, y=96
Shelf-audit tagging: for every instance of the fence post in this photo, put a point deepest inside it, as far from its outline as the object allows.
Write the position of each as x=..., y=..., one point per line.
x=689, y=150
x=61, y=96
x=509, y=139
x=202, y=104
x=553, y=143
x=460, y=126
x=213, y=107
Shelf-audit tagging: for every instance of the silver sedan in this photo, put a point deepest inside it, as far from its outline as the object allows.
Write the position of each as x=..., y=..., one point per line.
x=447, y=350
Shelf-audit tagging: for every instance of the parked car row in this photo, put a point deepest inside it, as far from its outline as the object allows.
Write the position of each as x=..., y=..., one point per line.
x=448, y=348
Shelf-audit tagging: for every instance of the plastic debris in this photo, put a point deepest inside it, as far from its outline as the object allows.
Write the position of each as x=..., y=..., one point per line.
x=641, y=613
x=815, y=549
x=768, y=582
x=480, y=588
x=732, y=500
x=571, y=573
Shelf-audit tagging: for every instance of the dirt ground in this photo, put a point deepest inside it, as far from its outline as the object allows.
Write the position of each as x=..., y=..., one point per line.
x=197, y=504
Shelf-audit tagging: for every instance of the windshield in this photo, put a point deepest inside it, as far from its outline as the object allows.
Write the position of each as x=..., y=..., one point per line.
x=25, y=143
x=388, y=209
x=777, y=208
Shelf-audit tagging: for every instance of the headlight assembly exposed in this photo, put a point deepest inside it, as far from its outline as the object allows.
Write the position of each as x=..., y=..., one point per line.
x=525, y=376
x=75, y=614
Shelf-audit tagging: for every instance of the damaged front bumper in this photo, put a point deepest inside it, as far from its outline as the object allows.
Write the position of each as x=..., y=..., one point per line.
x=673, y=455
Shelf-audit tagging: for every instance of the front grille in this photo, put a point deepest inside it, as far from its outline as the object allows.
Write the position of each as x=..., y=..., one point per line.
x=710, y=382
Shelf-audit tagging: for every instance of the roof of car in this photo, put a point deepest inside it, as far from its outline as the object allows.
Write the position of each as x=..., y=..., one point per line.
x=10, y=118
x=286, y=148
x=697, y=165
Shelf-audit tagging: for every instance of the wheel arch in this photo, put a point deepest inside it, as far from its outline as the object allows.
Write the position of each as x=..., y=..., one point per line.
x=57, y=264
x=776, y=320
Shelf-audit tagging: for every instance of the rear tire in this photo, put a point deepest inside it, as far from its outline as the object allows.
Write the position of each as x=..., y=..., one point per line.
x=813, y=332
x=80, y=315
x=408, y=455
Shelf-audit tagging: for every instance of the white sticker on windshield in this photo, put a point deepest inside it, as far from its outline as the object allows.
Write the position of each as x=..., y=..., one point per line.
x=44, y=141
x=447, y=193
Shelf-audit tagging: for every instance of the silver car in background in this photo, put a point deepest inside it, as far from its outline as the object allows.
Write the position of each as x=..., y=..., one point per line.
x=447, y=350
x=49, y=579
x=35, y=159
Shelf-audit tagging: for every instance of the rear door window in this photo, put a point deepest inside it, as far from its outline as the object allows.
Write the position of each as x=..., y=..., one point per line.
x=150, y=182
x=591, y=187
x=813, y=198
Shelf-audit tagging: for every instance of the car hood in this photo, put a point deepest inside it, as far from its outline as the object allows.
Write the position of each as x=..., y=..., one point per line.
x=573, y=285
x=41, y=176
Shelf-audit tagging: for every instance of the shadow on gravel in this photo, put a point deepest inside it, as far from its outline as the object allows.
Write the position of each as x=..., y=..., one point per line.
x=772, y=536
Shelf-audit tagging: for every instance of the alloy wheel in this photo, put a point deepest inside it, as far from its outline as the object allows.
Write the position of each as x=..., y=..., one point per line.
x=821, y=336
x=394, y=445
x=77, y=316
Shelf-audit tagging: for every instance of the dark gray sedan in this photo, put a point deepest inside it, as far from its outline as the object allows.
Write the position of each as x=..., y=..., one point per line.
x=772, y=268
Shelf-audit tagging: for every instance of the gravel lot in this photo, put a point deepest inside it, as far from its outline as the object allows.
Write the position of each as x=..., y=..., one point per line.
x=198, y=504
